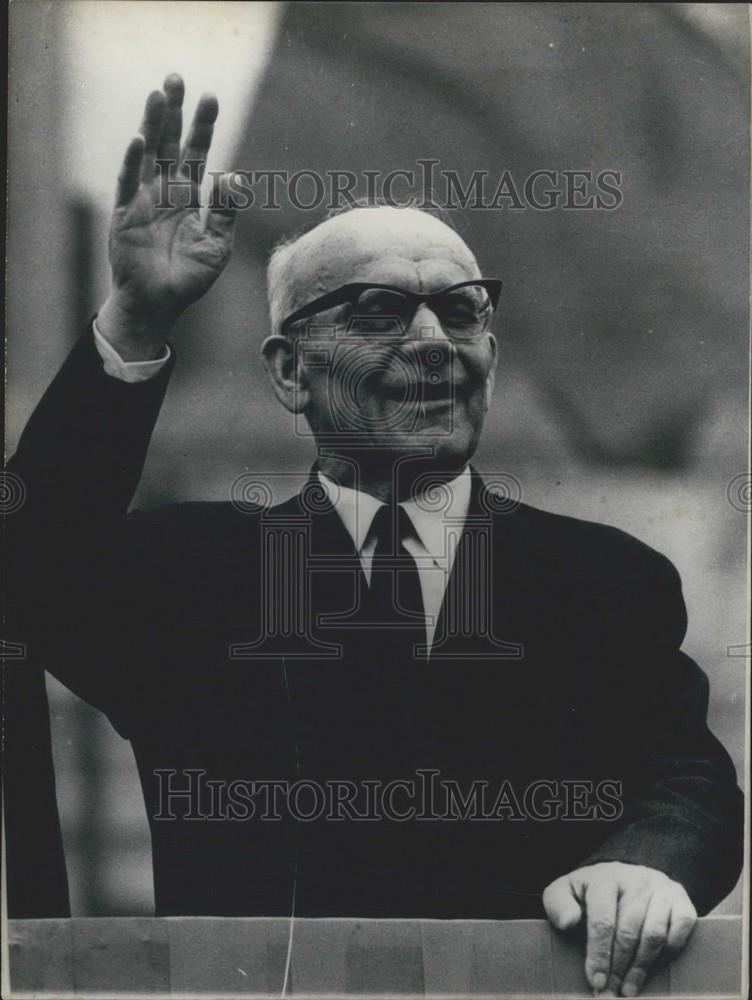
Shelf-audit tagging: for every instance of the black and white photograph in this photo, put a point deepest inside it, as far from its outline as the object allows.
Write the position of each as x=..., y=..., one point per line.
x=376, y=500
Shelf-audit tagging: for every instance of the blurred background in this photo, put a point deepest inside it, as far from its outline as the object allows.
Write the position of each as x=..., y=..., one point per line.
x=622, y=391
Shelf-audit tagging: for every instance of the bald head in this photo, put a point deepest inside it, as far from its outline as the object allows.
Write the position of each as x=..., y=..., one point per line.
x=385, y=244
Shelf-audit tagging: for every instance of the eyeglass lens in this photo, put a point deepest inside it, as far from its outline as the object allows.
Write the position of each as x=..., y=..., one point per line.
x=464, y=313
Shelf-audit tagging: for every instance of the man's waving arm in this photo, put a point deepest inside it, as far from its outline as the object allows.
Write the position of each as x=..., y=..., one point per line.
x=82, y=452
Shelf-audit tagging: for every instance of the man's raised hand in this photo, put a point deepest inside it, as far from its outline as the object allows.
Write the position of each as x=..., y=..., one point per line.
x=163, y=255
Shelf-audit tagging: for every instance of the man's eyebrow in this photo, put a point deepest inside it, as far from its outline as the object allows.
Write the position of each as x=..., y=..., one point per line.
x=318, y=319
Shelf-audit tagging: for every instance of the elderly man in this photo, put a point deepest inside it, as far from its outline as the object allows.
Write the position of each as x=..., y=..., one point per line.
x=481, y=708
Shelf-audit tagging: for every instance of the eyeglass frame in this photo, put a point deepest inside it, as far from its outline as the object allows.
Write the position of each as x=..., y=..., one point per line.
x=349, y=294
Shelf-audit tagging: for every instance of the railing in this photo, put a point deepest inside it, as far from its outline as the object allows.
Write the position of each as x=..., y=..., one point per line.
x=220, y=956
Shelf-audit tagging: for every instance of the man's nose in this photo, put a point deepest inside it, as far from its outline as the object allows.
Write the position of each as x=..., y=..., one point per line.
x=426, y=326
x=428, y=345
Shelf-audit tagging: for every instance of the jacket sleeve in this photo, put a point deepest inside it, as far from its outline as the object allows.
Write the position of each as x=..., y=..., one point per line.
x=77, y=467
x=683, y=814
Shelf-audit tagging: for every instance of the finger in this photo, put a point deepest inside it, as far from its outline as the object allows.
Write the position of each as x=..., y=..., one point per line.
x=600, y=906
x=681, y=923
x=151, y=130
x=200, y=136
x=561, y=905
x=220, y=219
x=652, y=941
x=169, y=144
x=129, y=177
x=630, y=917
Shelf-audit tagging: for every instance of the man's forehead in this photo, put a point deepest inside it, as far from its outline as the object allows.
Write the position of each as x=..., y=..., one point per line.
x=375, y=244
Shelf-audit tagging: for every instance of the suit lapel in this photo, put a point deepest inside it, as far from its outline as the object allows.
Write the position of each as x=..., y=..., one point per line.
x=334, y=575
x=472, y=609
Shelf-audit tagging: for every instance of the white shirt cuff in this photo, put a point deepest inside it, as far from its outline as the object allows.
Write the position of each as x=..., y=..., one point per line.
x=127, y=371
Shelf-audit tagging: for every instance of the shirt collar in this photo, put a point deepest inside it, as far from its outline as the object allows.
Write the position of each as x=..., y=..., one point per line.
x=357, y=510
x=430, y=513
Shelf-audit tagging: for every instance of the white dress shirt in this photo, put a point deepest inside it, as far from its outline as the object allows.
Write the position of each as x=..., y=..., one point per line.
x=127, y=371
x=437, y=517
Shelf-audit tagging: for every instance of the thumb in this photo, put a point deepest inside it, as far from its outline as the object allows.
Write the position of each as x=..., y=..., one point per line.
x=561, y=905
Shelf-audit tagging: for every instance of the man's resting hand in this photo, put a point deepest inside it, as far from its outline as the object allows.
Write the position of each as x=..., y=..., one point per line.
x=163, y=258
x=634, y=915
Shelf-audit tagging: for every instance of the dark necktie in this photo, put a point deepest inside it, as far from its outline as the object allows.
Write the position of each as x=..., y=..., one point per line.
x=394, y=602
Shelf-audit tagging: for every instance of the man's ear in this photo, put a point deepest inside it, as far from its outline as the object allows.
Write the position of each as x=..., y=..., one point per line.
x=285, y=372
x=491, y=377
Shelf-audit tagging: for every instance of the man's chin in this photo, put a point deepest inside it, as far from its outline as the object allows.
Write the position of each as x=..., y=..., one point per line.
x=432, y=451
x=428, y=446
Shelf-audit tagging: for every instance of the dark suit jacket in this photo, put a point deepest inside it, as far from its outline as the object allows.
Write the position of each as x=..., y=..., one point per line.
x=557, y=660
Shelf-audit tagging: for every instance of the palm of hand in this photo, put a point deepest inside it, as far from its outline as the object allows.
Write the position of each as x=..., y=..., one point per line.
x=164, y=253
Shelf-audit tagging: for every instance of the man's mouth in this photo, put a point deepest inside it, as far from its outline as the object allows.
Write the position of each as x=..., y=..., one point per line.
x=437, y=392
x=424, y=393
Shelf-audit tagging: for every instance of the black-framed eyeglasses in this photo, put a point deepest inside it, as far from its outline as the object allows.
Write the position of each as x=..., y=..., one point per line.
x=465, y=310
